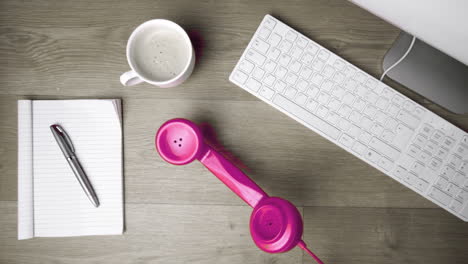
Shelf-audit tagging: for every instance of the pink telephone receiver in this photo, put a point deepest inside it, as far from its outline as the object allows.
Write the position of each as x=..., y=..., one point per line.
x=275, y=224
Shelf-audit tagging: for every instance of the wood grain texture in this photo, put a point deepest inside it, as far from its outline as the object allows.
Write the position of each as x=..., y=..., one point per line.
x=54, y=49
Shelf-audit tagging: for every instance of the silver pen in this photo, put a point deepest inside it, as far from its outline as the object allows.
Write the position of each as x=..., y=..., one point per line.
x=65, y=144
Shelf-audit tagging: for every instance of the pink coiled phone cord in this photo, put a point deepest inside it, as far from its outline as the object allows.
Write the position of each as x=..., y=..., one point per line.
x=303, y=245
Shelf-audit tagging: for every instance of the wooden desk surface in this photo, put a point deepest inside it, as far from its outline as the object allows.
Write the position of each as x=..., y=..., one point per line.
x=352, y=212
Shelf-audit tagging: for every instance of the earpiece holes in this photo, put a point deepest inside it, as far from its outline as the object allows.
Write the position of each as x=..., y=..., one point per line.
x=175, y=142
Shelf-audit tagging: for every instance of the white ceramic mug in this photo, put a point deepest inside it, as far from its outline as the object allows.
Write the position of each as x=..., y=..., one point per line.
x=136, y=75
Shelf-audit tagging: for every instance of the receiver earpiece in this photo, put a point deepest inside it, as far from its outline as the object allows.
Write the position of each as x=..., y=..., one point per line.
x=275, y=224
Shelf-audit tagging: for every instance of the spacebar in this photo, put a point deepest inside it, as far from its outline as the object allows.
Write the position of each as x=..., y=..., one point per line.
x=306, y=116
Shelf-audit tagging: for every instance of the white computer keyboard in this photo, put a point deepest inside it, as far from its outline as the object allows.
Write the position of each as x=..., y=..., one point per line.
x=357, y=112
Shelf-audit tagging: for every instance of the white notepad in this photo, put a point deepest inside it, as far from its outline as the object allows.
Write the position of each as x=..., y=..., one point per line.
x=51, y=202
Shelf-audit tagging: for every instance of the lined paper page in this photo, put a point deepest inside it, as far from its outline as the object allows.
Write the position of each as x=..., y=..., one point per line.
x=25, y=170
x=61, y=208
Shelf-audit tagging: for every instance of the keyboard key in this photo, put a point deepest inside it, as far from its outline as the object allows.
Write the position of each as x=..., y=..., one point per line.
x=427, y=130
x=318, y=64
x=302, y=85
x=267, y=92
x=360, y=77
x=372, y=156
x=285, y=46
x=399, y=172
x=424, y=157
x=365, y=137
x=255, y=57
x=296, y=52
x=409, y=106
x=312, y=48
x=349, y=70
x=370, y=110
x=345, y=110
x=413, y=151
x=317, y=79
x=338, y=77
x=461, y=150
x=327, y=86
x=307, y=59
x=295, y=66
x=398, y=100
x=302, y=42
x=270, y=66
x=382, y=103
x=323, y=98
x=348, y=98
x=260, y=45
x=246, y=66
x=464, y=167
x=274, y=54
x=290, y=92
x=377, y=129
x=344, y=124
x=338, y=92
x=371, y=97
x=371, y=84
x=328, y=71
x=253, y=84
x=384, y=149
x=354, y=131
x=279, y=86
x=431, y=147
x=306, y=72
x=442, y=183
x=447, y=172
x=456, y=205
x=393, y=110
x=455, y=161
x=274, y=40
x=258, y=73
x=333, y=118
x=419, y=140
x=264, y=33
x=385, y=164
x=359, y=104
x=419, y=112
x=281, y=72
x=448, y=142
x=323, y=55
x=339, y=64
x=417, y=168
x=453, y=190
x=387, y=136
x=440, y=196
x=419, y=184
x=291, y=35
x=240, y=77
x=391, y=124
x=310, y=119
x=355, y=117
x=322, y=111
x=269, y=22
x=463, y=196
x=359, y=148
x=347, y=140
x=269, y=80
x=301, y=99
x=437, y=136
x=441, y=153
x=291, y=78
x=366, y=123
x=402, y=136
x=284, y=59
x=312, y=91
x=334, y=104
x=352, y=85
x=312, y=105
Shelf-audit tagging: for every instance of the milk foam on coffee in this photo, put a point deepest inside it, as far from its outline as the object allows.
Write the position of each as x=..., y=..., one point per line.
x=161, y=54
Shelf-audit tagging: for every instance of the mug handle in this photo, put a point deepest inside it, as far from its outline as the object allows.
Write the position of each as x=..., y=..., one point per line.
x=130, y=78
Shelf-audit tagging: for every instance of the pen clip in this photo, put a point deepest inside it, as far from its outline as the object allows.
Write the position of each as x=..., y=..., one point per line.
x=66, y=137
